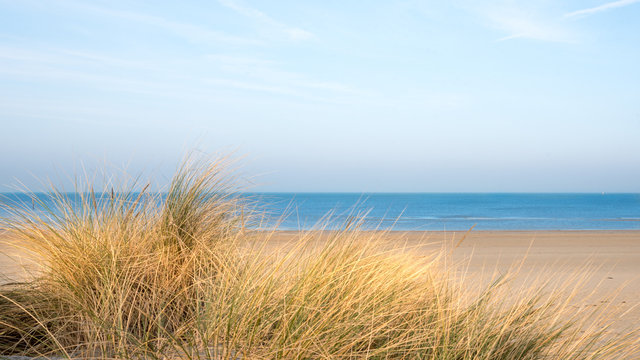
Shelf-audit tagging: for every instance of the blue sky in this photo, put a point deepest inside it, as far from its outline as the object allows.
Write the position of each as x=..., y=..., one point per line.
x=328, y=95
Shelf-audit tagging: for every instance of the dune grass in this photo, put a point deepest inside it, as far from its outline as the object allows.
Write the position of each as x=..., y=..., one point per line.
x=126, y=274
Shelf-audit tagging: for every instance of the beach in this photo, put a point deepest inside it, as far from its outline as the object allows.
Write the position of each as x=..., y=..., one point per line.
x=320, y=180
x=612, y=258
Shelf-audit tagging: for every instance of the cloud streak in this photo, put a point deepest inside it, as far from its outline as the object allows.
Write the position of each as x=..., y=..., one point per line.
x=260, y=75
x=603, y=7
x=208, y=75
x=189, y=32
x=293, y=33
x=521, y=23
x=527, y=29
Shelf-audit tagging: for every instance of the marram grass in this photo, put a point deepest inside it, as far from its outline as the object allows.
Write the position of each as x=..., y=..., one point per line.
x=128, y=274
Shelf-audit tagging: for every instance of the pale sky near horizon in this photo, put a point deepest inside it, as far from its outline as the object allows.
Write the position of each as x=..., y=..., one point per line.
x=417, y=96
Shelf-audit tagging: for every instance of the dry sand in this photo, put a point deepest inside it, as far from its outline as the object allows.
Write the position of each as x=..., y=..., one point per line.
x=611, y=257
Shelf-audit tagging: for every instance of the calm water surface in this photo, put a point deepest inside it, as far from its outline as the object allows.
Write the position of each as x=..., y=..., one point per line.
x=439, y=211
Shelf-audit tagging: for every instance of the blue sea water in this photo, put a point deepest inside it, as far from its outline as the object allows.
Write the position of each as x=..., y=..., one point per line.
x=436, y=211
x=451, y=211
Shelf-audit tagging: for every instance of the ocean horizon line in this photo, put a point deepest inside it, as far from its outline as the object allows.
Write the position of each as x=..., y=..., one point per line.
x=418, y=211
x=361, y=192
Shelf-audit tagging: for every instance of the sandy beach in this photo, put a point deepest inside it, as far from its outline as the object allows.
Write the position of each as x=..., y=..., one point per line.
x=611, y=257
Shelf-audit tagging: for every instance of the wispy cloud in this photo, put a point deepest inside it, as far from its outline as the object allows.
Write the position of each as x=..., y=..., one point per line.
x=271, y=72
x=290, y=90
x=293, y=33
x=70, y=58
x=189, y=32
x=93, y=70
x=603, y=7
x=263, y=75
x=194, y=78
x=521, y=23
x=527, y=29
x=538, y=21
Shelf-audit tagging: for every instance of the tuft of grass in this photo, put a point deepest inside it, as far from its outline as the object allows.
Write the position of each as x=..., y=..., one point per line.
x=132, y=274
x=118, y=268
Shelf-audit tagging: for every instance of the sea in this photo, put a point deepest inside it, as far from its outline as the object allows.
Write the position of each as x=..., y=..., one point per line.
x=452, y=211
x=432, y=211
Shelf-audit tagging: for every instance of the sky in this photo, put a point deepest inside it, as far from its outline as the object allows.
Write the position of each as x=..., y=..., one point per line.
x=353, y=96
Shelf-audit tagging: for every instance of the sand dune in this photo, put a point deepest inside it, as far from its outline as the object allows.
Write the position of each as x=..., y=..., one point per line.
x=612, y=258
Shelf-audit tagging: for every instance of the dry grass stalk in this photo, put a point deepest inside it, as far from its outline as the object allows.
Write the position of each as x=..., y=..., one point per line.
x=137, y=275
